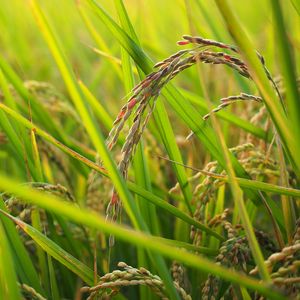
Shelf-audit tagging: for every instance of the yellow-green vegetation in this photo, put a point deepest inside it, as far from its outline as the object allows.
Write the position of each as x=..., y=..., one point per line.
x=149, y=149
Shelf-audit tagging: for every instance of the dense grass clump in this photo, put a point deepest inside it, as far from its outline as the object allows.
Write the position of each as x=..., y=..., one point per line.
x=122, y=178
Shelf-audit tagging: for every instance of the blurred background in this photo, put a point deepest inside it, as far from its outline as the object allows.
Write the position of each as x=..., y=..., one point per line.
x=159, y=24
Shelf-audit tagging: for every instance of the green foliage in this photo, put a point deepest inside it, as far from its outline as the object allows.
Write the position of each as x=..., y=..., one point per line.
x=109, y=197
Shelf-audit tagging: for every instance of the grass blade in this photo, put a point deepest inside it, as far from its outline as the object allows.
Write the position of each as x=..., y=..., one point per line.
x=8, y=279
x=160, y=116
x=98, y=109
x=133, y=187
x=94, y=132
x=275, y=109
x=77, y=267
x=23, y=264
x=185, y=111
x=82, y=216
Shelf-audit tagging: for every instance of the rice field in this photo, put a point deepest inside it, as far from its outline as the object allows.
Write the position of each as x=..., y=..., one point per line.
x=149, y=149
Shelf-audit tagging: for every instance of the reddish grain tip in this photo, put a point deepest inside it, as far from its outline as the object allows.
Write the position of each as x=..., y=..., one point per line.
x=146, y=83
x=120, y=115
x=109, y=146
x=223, y=46
x=131, y=103
x=181, y=43
x=114, y=199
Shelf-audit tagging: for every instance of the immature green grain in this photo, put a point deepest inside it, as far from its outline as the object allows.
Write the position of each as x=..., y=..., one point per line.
x=284, y=267
x=234, y=252
x=111, y=283
x=180, y=275
x=29, y=291
x=232, y=99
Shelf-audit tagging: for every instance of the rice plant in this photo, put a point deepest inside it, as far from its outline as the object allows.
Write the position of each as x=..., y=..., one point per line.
x=149, y=149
